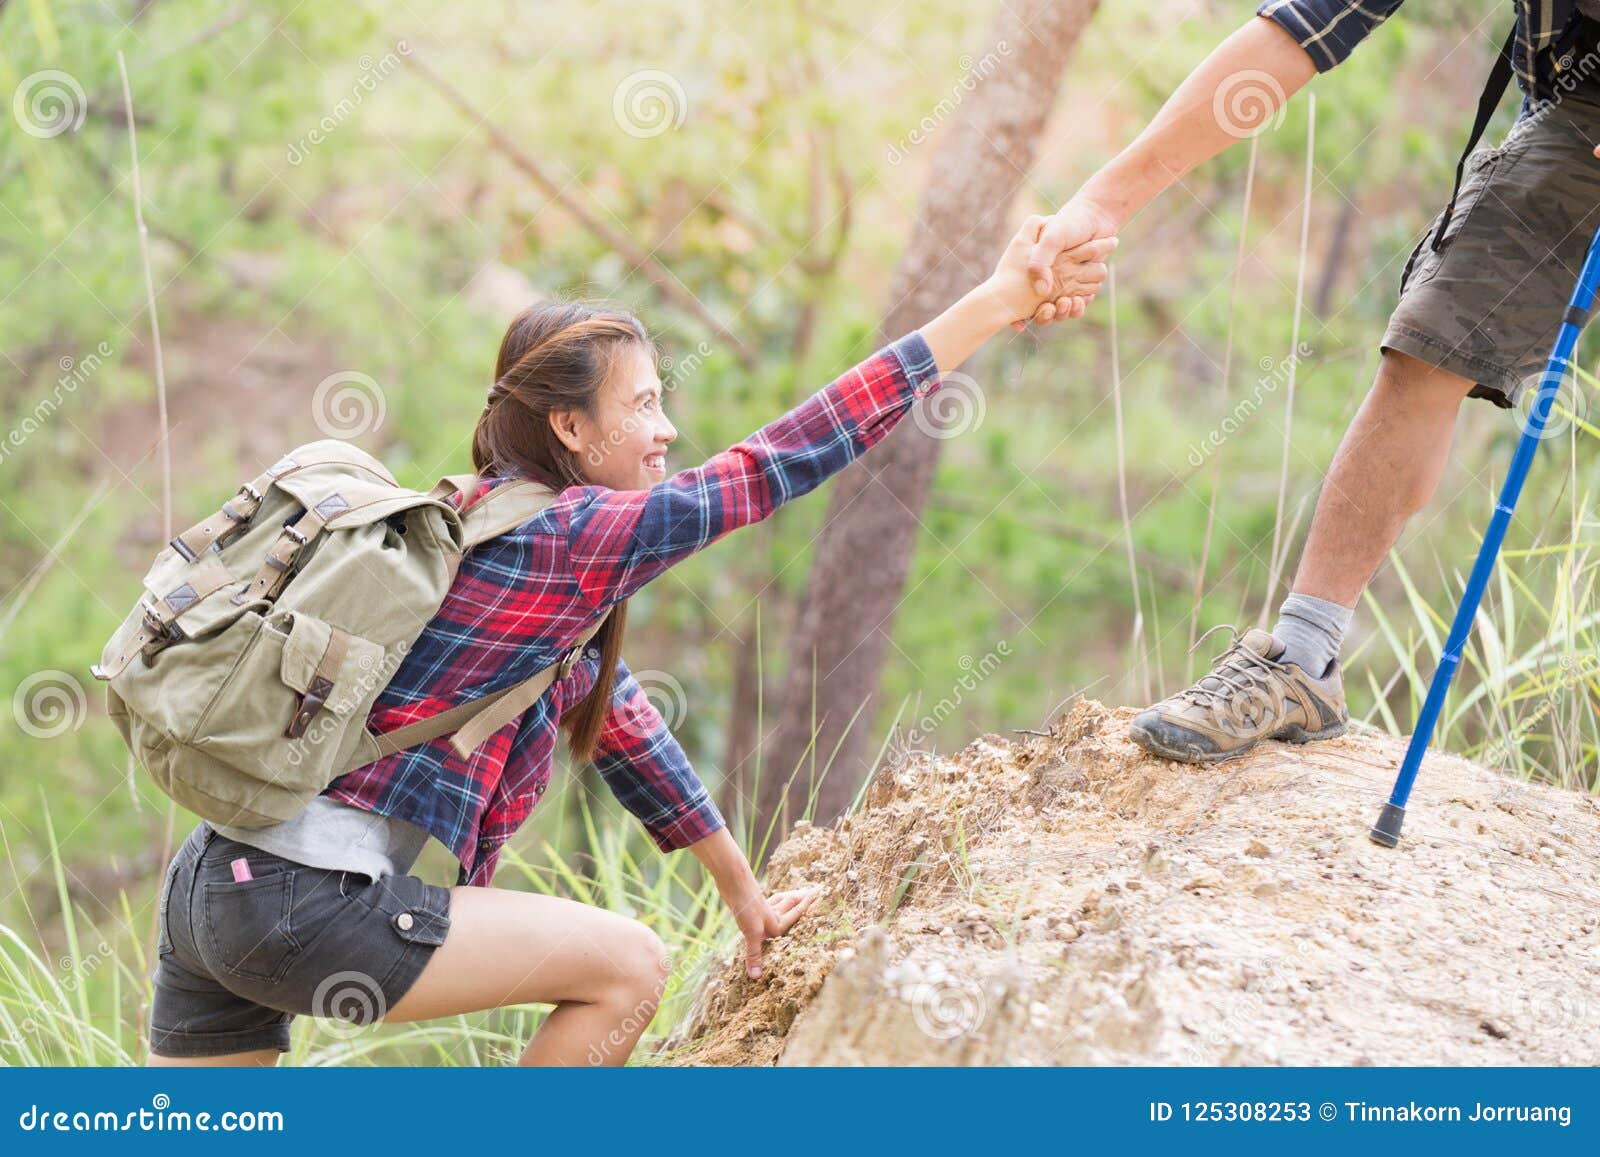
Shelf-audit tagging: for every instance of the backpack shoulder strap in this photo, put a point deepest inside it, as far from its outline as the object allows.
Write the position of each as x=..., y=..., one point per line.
x=1494, y=88
x=477, y=719
x=506, y=506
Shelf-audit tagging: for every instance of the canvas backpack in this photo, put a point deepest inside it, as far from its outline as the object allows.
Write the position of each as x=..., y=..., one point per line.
x=242, y=679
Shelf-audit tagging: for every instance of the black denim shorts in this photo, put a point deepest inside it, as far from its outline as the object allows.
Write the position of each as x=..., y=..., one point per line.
x=245, y=948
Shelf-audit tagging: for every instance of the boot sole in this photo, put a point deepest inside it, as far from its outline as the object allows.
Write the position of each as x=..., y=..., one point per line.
x=1293, y=733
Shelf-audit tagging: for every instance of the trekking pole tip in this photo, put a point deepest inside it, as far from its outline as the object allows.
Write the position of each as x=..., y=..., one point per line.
x=1387, y=830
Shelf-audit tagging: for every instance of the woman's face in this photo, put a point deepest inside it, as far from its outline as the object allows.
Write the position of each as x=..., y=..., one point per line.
x=623, y=445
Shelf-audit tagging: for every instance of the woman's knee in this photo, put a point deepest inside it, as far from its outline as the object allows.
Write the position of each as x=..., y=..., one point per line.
x=639, y=966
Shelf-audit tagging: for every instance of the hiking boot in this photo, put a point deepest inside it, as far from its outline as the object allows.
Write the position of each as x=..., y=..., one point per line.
x=1250, y=695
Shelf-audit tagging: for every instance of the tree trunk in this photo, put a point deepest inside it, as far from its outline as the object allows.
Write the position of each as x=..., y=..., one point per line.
x=865, y=549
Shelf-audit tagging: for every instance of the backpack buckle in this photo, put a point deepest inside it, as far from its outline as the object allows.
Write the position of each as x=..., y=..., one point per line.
x=568, y=660
x=163, y=633
x=310, y=703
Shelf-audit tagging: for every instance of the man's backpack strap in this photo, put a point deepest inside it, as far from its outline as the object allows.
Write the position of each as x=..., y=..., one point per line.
x=1494, y=88
x=476, y=720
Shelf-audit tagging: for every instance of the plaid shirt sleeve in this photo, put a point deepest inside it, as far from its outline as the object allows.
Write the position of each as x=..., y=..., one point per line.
x=618, y=540
x=648, y=772
x=1328, y=30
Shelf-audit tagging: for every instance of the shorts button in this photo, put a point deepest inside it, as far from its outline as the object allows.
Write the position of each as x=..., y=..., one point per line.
x=403, y=921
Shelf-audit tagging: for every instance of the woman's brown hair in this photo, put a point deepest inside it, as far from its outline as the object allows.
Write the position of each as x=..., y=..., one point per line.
x=556, y=356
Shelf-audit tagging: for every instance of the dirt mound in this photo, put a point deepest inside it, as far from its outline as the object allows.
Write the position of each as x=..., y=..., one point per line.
x=1066, y=899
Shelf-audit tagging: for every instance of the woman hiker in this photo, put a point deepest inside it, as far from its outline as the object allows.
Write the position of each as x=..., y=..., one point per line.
x=318, y=915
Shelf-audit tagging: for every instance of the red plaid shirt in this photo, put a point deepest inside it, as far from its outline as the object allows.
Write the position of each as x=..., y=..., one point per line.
x=521, y=599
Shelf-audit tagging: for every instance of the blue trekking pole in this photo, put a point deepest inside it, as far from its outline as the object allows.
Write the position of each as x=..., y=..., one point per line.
x=1387, y=830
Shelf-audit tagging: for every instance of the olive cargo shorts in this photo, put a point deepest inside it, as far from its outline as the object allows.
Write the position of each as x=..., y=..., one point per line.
x=243, y=950
x=1487, y=306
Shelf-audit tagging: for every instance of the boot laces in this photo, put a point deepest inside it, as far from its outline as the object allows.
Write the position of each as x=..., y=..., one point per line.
x=1239, y=670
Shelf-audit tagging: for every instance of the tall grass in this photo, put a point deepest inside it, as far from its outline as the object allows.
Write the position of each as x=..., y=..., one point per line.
x=1527, y=695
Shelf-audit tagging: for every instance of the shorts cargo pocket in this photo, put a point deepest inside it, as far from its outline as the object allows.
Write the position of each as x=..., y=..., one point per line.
x=1425, y=259
x=245, y=929
x=420, y=925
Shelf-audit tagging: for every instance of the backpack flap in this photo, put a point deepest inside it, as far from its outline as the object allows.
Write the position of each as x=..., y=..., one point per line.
x=330, y=668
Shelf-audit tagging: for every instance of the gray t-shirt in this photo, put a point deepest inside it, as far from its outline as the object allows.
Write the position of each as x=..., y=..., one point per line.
x=336, y=836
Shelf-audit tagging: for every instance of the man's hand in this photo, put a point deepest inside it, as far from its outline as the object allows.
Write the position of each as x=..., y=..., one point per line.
x=1074, y=278
x=1071, y=231
x=761, y=918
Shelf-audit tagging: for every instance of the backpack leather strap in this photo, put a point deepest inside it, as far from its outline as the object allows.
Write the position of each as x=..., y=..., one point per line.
x=237, y=512
x=274, y=571
x=476, y=720
x=159, y=627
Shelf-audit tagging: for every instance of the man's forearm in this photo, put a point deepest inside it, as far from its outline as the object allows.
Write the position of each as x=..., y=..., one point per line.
x=1192, y=127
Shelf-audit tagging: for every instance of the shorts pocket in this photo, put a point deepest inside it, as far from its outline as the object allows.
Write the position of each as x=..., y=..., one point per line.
x=418, y=912
x=1425, y=260
x=164, y=941
x=1480, y=171
x=421, y=926
x=246, y=929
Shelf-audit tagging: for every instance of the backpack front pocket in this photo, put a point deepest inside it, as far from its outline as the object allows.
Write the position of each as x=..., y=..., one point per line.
x=292, y=706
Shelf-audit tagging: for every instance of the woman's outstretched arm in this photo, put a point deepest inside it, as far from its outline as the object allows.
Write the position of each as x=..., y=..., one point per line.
x=618, y=540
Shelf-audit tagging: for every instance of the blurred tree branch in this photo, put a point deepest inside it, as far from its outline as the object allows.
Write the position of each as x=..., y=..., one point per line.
x=614, y=238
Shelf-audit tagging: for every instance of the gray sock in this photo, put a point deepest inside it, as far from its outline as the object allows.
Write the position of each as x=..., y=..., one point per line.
x=1311, y=631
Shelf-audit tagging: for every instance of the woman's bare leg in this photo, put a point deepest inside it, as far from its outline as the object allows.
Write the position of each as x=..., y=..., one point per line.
x=263, y=1057
x=603, y=972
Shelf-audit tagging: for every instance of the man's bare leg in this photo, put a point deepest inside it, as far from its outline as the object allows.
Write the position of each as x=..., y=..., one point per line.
x=1386, y=469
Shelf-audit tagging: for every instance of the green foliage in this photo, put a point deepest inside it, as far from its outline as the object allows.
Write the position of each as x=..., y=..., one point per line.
x=279, y=259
